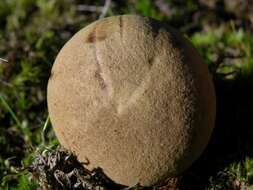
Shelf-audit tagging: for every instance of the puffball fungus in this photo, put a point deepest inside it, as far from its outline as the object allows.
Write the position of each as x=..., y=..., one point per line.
x=133, y=96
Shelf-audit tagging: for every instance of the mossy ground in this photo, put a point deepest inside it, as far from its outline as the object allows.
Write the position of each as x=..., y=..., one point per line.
x=33, y=31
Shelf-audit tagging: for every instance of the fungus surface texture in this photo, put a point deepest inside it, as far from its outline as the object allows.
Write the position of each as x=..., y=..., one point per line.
x=132, y=95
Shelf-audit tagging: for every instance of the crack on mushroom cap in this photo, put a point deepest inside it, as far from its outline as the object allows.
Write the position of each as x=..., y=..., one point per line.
x=121, y=26
x=94, y=36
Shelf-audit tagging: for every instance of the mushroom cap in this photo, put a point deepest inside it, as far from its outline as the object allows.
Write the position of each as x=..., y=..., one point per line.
x=131, y=95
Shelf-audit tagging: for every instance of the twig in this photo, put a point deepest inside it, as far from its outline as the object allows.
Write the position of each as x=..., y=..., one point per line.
x=105, y=8
x=89, y=8
x=3, y=60
x=93, y=8
x=164, y=8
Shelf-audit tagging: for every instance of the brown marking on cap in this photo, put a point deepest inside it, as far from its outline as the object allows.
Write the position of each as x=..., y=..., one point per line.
x=151, y=61
x=95, y=36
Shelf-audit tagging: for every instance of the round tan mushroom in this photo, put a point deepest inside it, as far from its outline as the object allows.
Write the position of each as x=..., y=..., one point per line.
x=131, y=95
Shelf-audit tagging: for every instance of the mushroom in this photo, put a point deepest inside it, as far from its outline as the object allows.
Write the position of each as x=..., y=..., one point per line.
x=131, y=95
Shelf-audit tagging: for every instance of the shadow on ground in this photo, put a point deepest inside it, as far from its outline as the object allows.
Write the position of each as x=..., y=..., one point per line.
x=232, y=139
